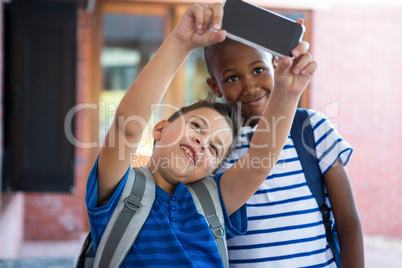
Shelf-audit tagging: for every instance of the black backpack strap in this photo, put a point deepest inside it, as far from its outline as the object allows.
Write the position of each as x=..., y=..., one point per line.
x=303, y=138
x=203, y=190
x=87, y=254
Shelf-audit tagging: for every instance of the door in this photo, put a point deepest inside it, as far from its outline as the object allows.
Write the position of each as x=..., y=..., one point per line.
x=40, y=85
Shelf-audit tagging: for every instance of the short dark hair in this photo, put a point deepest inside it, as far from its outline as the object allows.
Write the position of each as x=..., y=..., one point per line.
x=227, y=110
x=212, y=50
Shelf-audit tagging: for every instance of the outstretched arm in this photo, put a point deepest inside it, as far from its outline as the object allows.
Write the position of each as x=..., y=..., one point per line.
x=134, y=111
x=291, y=76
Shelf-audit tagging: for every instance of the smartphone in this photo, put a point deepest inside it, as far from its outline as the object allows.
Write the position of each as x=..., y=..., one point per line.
x=261, y=28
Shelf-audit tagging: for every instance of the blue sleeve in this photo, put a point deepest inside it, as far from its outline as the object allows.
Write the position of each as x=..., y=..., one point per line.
x=99, y=216
x=236, y=224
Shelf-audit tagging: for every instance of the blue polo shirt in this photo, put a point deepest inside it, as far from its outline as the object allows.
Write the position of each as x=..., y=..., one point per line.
x=174, y=234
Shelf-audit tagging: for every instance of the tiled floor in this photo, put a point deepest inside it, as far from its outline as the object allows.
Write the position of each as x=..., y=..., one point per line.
x=45, y=255
x=51, y=250
x=38, y=263
x=382, y=253
x=379, y=253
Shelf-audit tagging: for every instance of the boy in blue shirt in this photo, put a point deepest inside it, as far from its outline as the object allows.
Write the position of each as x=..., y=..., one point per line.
x=188, y=147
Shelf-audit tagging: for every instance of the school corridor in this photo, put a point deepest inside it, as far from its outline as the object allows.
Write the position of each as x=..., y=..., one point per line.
x=43, y=174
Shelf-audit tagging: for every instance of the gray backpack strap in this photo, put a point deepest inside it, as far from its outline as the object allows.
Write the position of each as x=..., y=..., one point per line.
x=136, y=200
x=207, y=201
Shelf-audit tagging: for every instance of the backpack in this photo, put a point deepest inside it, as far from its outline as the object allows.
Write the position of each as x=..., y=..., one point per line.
x=132, y=211
x=303, y=138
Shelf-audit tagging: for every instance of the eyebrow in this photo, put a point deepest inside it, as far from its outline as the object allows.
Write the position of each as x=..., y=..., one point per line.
x=251, y=64
x=256, y=62
x=201, y=118
x=220, y=148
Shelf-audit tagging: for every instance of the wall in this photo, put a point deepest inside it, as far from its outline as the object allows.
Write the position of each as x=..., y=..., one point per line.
x=1, y=91
x=359, y=79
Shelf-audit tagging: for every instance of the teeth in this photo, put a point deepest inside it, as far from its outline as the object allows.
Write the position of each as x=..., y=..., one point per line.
x=187, y=151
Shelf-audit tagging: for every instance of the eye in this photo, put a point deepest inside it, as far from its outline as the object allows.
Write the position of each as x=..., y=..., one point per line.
x=213, y=147
x=196, y=126
x=233, y=78
x=258, y=70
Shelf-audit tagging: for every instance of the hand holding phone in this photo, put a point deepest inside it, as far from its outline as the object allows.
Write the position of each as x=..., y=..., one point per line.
x=261, y=28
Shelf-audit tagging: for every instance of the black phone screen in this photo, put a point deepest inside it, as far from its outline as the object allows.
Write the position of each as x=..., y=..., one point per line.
x=260, y=27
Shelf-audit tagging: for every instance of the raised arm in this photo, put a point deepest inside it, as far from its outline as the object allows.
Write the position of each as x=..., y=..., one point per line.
x=134, y=111
x=291, y=76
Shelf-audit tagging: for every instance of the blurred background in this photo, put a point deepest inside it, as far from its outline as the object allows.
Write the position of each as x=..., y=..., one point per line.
x=65, y=65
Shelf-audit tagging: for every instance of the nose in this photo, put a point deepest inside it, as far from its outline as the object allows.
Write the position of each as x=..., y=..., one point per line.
x=200, y=141
x=249, y=86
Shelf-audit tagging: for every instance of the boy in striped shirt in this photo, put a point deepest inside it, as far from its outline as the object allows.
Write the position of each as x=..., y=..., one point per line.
x=285, y=227
x=187, y=149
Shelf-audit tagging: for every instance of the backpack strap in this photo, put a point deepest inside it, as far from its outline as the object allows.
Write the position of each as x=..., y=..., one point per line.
x=136, y=200
x=87, y=254
x=303, y=138
x=207, y=201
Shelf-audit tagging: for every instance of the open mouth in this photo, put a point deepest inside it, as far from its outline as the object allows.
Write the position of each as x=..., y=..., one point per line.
x=190, y=152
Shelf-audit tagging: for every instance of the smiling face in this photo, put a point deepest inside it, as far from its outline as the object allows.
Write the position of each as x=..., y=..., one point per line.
x=190, y=147
x=242, y=75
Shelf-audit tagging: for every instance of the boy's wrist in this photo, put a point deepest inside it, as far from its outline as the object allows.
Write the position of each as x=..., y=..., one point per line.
x=178, y=44
x=287, y=94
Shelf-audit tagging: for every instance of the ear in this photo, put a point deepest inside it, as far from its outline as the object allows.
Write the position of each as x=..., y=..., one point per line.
x=274, y=61
x=214, y=87
x=158, y=129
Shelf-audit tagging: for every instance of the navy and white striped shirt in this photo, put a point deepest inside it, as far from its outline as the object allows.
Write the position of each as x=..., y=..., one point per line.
x=174, y=235
x=285, y=226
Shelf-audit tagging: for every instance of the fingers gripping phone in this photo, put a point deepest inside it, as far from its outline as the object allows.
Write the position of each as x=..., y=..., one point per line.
x=261, y=28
